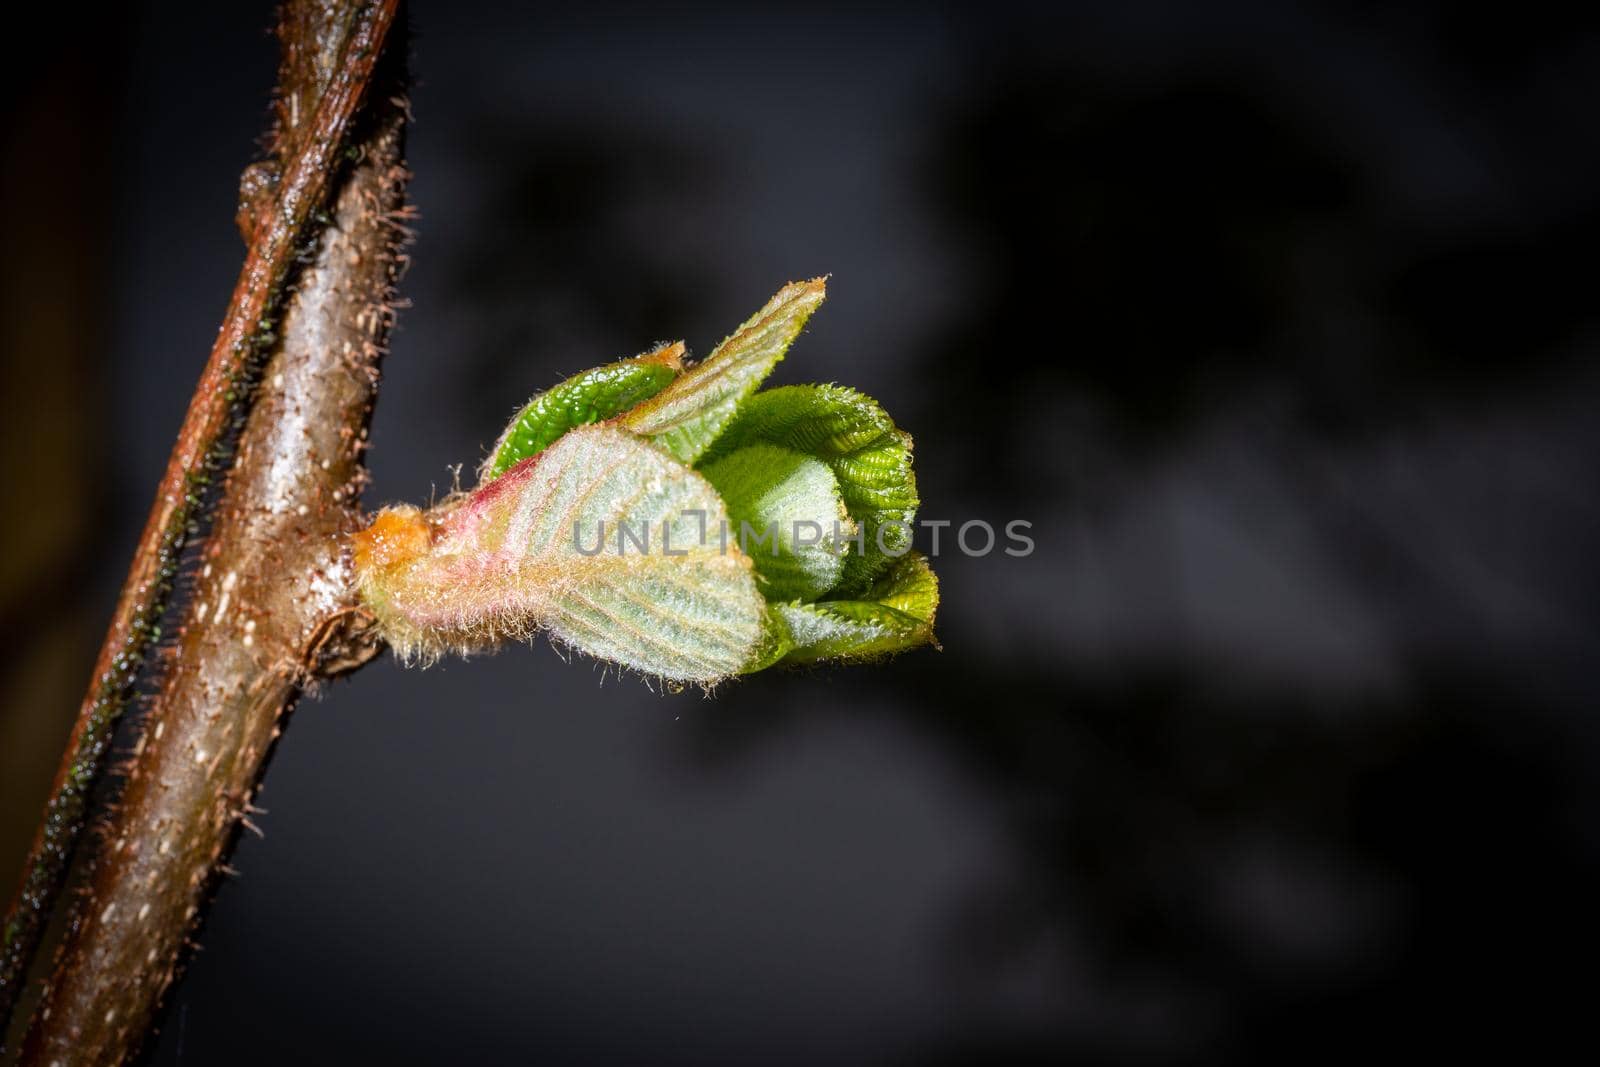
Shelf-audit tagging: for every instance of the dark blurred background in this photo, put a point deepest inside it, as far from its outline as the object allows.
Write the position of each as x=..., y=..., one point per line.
x=1278, y=322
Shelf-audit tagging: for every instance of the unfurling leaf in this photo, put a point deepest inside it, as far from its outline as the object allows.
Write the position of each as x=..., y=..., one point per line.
x=869, y=456
x=581, y=541
x=613, y=515
x=686, y=417
x=584, y=398
x=785, y=510
x=894, y=615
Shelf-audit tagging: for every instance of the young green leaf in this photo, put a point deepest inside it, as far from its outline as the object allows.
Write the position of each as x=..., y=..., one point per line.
x=785, y=511
x=584, y=398
x=598, y=541
x=894, y=615
x=686, y=417
x=869, y=456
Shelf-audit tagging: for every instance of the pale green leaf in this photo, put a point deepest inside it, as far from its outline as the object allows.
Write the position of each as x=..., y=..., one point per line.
x=555, y=545
x=786, y=513
x=868, y=454
x=687, y=416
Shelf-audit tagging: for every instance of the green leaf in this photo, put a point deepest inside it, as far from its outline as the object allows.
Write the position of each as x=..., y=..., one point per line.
x=555, y=545
x=785, y=511
x=584, y=398
x=687, y=416
x=869, y=456
x=606, y=538
x=894, y=615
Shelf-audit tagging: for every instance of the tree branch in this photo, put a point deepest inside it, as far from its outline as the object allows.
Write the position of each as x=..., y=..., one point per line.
x=270, y=611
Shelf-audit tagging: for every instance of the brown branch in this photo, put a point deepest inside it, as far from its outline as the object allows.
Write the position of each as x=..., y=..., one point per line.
x=270, y=610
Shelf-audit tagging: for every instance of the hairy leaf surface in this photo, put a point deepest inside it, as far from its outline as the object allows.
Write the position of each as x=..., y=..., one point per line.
x=584, y=398
x=868, y=454
x=687, y=416
x=785, y=511
x=597, y=540
x=894, y=615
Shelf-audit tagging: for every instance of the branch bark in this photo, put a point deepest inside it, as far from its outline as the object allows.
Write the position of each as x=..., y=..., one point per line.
x=271, y=611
